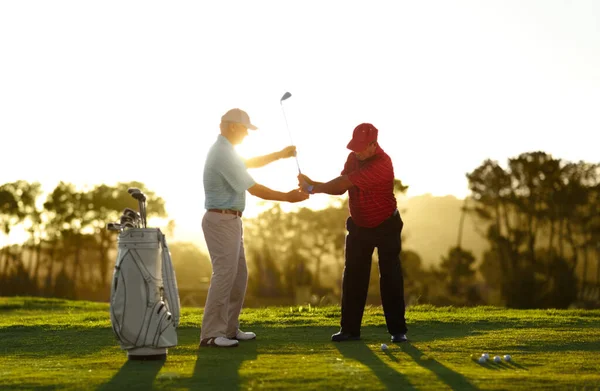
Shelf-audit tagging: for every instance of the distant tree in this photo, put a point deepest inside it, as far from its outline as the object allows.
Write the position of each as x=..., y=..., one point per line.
x=296, y=272
x=67, y=209
x=490, y=271
x=17, y=201
x=268, y=240
x=191, y=264
x=459, y=271
x=8, y=215
x=413, y=273
x=536, y=211
x=320, y=237
x=266, y=281
x=193, y=270
x=34, y=226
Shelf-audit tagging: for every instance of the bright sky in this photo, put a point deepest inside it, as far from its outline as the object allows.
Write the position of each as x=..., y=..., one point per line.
x=100, y=92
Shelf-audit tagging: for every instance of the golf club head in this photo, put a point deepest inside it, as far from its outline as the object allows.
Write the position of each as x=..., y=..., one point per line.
x=128, y=225
x=113, y=227
x=132, y=189
x=285, y=96
x=138, y=195
x=126, y=219
x=134, y=219
x=131, y=213
x=128, y=210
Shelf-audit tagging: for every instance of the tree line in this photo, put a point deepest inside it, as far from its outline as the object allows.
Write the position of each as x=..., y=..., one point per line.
x=539, y=215
x=68, y=252
x=542, y=221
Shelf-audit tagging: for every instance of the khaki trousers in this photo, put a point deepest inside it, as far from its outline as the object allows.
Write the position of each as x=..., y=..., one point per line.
x=224, y=237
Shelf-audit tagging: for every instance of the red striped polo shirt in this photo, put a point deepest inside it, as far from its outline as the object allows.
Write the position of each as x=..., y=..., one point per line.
x=372, y=197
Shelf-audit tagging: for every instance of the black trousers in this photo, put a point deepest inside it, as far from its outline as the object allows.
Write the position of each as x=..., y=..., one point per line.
x=360, y=243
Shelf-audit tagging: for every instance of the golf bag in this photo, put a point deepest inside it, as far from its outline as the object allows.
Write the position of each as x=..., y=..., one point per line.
x=144, y=300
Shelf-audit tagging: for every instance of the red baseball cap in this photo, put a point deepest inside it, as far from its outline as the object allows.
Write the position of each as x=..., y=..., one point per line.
x=363, y=135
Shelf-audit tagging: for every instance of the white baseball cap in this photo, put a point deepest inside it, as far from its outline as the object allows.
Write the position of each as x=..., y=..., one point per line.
x=239, y=117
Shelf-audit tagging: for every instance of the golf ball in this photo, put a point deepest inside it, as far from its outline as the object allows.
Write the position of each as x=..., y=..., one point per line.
x=497, y=359
x=507, y=357
x=383, y=346
x=482, y=360
x=485, y=355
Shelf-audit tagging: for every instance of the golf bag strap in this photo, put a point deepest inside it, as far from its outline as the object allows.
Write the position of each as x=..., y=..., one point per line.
x=171, y=291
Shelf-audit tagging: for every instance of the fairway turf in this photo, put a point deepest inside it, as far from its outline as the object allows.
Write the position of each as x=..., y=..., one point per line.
x=51, y=344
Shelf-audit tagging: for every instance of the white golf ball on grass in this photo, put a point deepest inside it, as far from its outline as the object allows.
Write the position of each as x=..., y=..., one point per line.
x=486, y=356
x=482, y=360
x=497, y=359
x=507, y=357
x=384, y=346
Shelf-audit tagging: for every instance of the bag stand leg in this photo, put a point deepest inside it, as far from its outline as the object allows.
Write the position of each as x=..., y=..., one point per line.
x=147, y=354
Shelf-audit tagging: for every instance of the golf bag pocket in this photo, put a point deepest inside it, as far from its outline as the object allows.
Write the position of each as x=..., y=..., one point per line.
x=161, y=332
x=129, y=301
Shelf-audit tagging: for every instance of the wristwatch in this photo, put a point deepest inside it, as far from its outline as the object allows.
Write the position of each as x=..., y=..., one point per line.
x=310, y=188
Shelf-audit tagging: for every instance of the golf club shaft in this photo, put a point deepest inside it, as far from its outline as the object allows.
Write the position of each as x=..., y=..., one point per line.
x=290, y=134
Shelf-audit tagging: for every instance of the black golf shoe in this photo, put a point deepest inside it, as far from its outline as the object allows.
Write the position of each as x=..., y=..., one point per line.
x=398, y=338
x=342, y=337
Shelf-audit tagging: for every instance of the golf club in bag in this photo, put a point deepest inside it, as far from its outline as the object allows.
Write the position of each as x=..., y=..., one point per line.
x=144, y=298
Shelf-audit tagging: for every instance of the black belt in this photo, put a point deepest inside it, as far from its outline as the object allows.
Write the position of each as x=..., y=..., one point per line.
x=227, y=211
x=396, y=213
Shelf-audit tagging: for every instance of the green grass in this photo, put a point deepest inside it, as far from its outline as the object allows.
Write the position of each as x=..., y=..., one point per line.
x=58, y=344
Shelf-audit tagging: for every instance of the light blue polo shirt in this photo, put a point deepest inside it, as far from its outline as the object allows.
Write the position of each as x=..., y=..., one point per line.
x=226, y=178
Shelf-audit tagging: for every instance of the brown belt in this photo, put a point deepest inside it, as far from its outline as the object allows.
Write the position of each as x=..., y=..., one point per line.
x=227, y=211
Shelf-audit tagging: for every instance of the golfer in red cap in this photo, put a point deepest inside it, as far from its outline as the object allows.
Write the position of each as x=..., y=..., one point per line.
x=374, y=222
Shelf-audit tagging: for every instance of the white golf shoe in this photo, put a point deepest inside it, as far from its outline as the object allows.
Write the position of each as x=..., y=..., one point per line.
x=220, y=342
x=244, y=336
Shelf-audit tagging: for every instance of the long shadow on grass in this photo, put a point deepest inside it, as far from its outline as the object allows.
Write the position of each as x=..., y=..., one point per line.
x=454, y=380
x=358, y=351
x=218, y=368
x=134, y=375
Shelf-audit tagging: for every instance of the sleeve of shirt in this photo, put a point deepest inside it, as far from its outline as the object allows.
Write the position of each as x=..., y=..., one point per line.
x=346, y=169
x=372, y=175
x=235, y=173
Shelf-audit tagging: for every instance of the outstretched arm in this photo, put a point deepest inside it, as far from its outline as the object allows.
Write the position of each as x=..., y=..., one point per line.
x=265, y=193
x=261, y=161
x=335, y=186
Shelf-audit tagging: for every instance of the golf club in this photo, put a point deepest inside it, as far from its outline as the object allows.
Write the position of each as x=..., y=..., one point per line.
x=126, y=222
x=135, y=216
x=138, y=195
x=284, y=97
x=141, y=205
x=134, y=220
x=114, y=227
x=141, y=198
